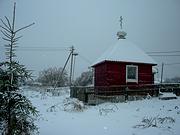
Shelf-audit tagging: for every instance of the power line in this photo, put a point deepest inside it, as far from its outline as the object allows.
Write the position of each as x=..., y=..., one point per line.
x=178, y=51
x=85, y=59
x=169, y=64
x=33, y=48
x=42, y=47
x=165, y=55
x=47, y=50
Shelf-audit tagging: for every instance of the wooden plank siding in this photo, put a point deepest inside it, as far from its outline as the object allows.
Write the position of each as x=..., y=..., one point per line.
x=114, y=73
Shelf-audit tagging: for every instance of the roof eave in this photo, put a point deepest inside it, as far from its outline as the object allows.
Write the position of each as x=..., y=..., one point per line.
x=153, y=64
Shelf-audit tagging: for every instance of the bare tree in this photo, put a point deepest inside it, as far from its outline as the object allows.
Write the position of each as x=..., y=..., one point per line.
x=85, y=79
x=173, y=80
x=53, y=76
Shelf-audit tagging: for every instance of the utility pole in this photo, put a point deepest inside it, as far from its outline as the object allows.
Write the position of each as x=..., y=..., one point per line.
x=74, y=62
x=162, y=70
x=71, y=55
x=71, y=68
x=55, y=85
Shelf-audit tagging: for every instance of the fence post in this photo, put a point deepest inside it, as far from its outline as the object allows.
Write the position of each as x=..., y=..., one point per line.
x=126, y=93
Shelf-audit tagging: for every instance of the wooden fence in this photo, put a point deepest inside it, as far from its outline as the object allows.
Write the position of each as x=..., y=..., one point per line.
x=88, y=93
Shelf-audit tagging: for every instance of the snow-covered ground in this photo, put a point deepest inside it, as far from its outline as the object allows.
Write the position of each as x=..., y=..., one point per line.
x=58, y=117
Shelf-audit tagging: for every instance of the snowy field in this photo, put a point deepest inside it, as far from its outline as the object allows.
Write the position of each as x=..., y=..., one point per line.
x=143, y=117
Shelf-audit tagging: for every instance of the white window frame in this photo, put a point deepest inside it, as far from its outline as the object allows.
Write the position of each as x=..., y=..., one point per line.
x=131, y=80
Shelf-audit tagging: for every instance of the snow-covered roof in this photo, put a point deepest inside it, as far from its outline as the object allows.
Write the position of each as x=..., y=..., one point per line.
x=125, y=51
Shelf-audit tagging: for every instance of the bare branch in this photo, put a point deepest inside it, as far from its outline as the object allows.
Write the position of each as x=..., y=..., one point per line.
x=5, y=29
x=14, y=44
x=8, y=22
x=6, y=39
x=5, y=25
x=5, y=34
x=13, y=55
x=7, y=45
x=24, y=27
x=9, y=34
x=7, y=53
x=15, y=40
x=14, y=50
x=18, y=38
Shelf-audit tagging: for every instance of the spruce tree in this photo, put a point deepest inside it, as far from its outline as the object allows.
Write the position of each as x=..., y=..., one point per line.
x=17, y=113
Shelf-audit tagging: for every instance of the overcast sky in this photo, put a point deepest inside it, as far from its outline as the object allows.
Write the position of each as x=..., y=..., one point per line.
x=91, y=27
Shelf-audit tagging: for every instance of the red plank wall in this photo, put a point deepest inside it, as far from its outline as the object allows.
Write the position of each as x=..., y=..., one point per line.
x=100, y=75
x=114, y=73
x=145, y=75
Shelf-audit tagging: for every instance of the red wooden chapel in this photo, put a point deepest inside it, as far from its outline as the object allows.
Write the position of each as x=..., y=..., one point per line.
x=123, y=64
